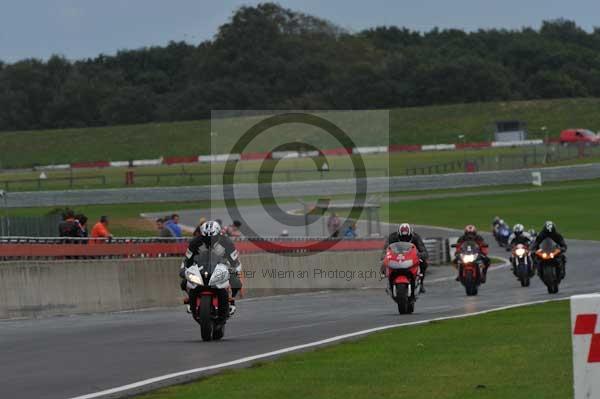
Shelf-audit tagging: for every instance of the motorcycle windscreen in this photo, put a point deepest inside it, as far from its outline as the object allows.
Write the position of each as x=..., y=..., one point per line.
x=469, y=248
x=548, y=246
x=400, y=247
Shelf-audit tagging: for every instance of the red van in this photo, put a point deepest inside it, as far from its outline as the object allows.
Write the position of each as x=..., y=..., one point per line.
x=578, y=136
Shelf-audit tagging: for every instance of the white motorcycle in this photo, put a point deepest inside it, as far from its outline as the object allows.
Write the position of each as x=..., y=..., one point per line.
x=203, y=282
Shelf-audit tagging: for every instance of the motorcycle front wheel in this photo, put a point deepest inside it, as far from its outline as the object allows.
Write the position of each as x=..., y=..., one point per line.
x=204, y=316
x=470, y=284
x=405, y=305
x=551, y=279
x=524, y=276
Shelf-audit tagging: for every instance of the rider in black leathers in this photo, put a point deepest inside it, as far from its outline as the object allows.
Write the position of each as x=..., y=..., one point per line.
x=549, y=231
x=221, y=249
x=405, y=233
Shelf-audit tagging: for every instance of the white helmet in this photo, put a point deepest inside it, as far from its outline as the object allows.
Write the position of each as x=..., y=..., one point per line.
x=210, y=228
x=404, y=230
x=518, y=229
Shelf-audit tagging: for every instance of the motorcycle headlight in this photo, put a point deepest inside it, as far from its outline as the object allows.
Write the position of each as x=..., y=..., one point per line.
x=192, y=278
x=468, y=258
x=520, y=252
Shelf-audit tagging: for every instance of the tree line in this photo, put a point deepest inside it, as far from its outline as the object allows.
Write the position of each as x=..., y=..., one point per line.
x=269, y=57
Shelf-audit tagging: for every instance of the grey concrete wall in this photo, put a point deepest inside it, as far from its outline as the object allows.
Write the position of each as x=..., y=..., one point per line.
x=34, y=289
x=298, y=189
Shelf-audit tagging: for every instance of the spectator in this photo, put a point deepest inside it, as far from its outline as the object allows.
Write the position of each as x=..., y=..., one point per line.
x=350, y=231
x=69, y=227
x=333, y=225
x=100, y=229
x=173, y=225
x=82, y=222
x=163, y=232
x=233, y=230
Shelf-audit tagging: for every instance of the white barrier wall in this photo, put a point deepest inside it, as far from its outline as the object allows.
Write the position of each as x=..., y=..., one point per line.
x=585, y=328
x=43, y=288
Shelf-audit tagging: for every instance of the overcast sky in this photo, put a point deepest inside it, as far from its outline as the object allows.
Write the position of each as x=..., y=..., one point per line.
x=86, y=28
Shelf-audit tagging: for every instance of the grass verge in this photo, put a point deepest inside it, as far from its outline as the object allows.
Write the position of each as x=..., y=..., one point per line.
x=420, y=125
x=520, y=353
x=573, y=207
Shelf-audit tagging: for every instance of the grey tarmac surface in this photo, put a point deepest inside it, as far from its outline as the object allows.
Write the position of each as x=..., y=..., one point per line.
x=64, y=357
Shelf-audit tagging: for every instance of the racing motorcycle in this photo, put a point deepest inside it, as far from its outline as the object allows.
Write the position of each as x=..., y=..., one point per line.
x=502, y=235
x=549, y=270
x=522, y=264
x=470, y=266
x=202, y=284
x=403, y=272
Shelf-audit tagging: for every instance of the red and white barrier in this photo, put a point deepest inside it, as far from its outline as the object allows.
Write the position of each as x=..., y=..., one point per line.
x=53, y=167
x=585, y=329
x=522, y=143
x=259, y=156
x=148, y=162
x=438, y=147
x=219, y=158
x=119, y=164
x=285, y=154
x=370, y=150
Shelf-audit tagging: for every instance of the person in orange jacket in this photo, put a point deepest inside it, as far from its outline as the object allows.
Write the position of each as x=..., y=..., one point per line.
x=100, y=230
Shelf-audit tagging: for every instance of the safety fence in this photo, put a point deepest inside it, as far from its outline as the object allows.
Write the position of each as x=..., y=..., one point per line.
x=30, y=226
x=138, y=177
x=23, y=248
x=536, y=156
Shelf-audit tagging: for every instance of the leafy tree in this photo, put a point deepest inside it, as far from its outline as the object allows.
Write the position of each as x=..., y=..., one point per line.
x=267, y=56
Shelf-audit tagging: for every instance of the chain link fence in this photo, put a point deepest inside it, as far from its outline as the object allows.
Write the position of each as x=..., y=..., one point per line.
x=30, y=226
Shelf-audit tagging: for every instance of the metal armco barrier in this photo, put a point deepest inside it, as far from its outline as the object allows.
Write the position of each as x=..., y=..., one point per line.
x=436, y=250
x=298, y=189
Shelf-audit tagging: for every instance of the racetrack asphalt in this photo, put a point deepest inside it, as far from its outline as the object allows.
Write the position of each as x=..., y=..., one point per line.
x=65, y=357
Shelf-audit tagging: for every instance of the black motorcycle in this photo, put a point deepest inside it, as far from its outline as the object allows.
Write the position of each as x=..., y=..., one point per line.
x=549, y=258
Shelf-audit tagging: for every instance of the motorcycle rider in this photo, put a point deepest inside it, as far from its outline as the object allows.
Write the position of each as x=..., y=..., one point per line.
x=532, y=233
x=549, y=231
x=470, y=234
x=211, y=243
x=405, y=233
x=519, y=236
x=495, y=224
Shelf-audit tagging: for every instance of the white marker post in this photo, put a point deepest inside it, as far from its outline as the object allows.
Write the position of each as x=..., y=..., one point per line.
x=585, y=330
x=536, y=178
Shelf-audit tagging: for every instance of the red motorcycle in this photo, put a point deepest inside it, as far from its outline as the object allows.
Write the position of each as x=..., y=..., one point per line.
x=470, y=265
x=403, y=272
